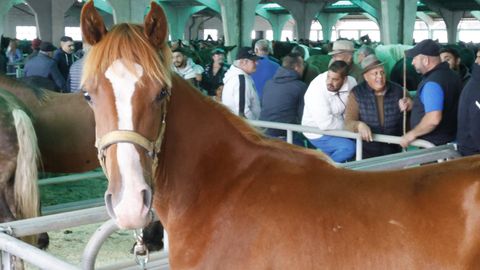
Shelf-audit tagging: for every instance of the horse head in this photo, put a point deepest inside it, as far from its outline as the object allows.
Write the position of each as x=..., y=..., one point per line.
x=127, y=80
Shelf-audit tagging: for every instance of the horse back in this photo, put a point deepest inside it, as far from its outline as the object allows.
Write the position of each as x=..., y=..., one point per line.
x=311, y=215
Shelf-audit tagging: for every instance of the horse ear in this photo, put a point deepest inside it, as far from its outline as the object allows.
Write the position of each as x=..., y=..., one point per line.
x=92, y=25
x=156, y=26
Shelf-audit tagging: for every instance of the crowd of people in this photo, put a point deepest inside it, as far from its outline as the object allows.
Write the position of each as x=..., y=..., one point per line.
x=46, y=66
x=351, y=95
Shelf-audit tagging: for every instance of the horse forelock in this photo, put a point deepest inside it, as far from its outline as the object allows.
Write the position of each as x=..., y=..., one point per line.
x=129, y=43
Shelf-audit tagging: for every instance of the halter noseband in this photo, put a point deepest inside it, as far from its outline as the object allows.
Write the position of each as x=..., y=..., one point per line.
x=152, y=148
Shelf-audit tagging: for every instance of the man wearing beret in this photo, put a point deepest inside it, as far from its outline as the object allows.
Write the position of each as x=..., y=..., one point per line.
x=434, y=113
x=375, y=106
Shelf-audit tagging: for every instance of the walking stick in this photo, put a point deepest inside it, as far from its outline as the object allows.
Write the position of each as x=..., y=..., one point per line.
x=404, y=93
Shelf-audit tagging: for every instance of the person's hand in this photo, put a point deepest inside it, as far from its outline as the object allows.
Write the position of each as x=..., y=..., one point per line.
x=406, y=139
x=405, y=104
x=365, y=132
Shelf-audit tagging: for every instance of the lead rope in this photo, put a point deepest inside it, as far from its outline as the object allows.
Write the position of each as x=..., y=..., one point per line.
x=140, y=250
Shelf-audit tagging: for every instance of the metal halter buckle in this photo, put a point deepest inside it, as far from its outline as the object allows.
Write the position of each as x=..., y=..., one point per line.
x=140, y=250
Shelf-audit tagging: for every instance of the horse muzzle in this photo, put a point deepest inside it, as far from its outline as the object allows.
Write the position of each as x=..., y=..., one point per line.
x=132, y=211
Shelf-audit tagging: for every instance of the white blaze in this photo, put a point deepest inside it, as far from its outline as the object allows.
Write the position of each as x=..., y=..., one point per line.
x=123, y=83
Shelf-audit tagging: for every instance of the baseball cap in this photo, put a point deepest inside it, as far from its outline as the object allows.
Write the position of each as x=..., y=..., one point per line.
x=426, y=47
x=247, y=53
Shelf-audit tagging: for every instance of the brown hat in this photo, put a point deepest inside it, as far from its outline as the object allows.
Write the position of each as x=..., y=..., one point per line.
x=370, y=62
x=341, y=46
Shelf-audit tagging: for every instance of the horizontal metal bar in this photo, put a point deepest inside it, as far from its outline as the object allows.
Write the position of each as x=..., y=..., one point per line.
x=32, y=254
x=72, y=206
x=404, y=159
x=70, y=178
x=339, y=133
x=57, y=221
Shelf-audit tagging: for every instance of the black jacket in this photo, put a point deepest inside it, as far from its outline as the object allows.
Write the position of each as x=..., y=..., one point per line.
x=282, y=99
x=451, y=86
x=468, y=132
x=64, y=61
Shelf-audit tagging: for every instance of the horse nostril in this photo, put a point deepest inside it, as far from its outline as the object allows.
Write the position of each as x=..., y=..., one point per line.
x=147, y=197
x=109, y=205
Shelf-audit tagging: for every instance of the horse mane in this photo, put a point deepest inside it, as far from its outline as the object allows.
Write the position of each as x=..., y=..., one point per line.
x=129, y=43
x=10, y=83
x=251, y=134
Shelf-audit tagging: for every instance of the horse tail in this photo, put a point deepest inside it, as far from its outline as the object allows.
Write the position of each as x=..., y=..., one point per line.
x=26, y=192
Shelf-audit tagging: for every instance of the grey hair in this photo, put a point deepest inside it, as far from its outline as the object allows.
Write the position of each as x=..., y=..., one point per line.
x=263, y=45
x=366, y=50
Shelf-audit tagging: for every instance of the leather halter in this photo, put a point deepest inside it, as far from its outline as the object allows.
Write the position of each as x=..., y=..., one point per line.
x=152, y=148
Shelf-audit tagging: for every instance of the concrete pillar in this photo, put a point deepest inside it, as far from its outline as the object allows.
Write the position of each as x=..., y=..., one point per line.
x=277, y=21
x=328, y=20
x=5, y=6
x=178, y=17
x=43, y=16
x=128, y=10
x=451, y=18
x=397, y=21
x=303, y=13
x=427, y=20
x=194, y=28
x=237, y=18
x=396, y=18
x=59, y=7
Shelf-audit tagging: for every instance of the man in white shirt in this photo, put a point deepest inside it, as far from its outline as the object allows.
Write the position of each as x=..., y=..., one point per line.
x=185, y=67
x=239, y=93
x=325, y=102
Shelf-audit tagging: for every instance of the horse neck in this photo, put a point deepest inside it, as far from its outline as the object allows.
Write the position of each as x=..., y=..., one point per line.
x=201, y=151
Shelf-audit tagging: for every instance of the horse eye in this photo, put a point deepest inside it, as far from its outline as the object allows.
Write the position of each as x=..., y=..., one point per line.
x=161, y=95
x=86, y=96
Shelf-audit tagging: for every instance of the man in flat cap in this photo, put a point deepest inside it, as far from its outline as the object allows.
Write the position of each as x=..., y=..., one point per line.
x=434, y=113
x=239, y=93
x=43, y=70
x=343, y=50
x=375, y=106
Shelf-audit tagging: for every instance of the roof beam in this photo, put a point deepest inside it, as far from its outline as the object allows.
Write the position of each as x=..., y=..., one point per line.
x=425, y=18
x=370, y=6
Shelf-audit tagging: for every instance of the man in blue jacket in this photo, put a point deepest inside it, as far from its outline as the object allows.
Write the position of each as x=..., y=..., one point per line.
x=43, y=66
x=434, y=113
x=266, y=67
x=283, y=96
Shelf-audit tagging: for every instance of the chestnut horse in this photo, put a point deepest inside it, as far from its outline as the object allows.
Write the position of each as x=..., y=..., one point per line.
x=66, y=134
x=231, y=199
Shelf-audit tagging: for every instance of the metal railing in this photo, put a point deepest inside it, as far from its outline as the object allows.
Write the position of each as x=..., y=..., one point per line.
x=9, y=245
x=290, y=128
